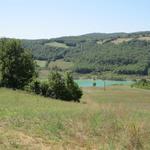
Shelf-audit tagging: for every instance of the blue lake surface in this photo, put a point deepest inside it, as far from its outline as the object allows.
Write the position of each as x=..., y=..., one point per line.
x=100, y=83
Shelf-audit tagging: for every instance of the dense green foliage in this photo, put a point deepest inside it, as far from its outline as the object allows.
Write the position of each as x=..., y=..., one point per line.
x=98, y=52
x=74, y=92
x=57, y=87
x=17, y=69
x=143, y=83
x=16, y=64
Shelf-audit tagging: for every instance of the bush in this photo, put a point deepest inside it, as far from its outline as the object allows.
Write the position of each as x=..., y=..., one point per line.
x=73, y=90
x=143, y=83
x=34, y=86
x=58, y=87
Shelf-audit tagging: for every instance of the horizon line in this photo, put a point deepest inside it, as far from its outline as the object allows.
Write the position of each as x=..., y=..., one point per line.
x=141, y=31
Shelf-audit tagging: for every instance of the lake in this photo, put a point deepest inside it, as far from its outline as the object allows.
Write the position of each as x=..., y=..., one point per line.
x=100, y=83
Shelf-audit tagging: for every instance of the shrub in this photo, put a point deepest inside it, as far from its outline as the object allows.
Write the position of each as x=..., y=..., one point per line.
x=143, y=83
x=34, y=86
x=57, y=86
x=74, y=92
x=44, y=88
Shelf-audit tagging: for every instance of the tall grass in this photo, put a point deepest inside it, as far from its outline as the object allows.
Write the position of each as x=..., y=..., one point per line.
x=118, y=118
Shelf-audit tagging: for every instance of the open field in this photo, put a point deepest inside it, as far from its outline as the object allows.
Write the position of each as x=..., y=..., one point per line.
x=41, y=63
x=43, y=74
x=118, y=118
x=63, y=65
x=127, y=39
x=121, y=40
x=56, y=44
x=144, y=38
x=60, y=64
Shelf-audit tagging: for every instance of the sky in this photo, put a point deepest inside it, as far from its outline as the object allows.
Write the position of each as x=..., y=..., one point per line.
x=36, y=19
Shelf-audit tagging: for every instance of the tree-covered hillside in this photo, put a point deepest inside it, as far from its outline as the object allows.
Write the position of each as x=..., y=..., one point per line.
x=120, y=53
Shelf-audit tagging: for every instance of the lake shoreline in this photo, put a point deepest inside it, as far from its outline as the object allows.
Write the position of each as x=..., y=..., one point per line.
x=100, y=83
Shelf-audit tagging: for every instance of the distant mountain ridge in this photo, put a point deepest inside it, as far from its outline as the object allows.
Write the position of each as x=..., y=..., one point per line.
x=119, y=53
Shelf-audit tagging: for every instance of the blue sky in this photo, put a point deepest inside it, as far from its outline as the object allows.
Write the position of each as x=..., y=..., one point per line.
x=32, y=19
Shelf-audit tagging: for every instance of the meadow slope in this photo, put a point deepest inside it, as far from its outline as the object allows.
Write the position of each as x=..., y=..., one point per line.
x=118, y=118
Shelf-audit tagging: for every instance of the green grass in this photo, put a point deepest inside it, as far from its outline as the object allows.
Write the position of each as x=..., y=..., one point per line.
x=41, y=63
x=43, y=74
x=118, y=118
x=60, y=64
x=63, y=65
x=56, y=44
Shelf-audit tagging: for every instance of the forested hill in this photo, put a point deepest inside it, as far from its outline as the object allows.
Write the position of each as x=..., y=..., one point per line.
x=121, y=53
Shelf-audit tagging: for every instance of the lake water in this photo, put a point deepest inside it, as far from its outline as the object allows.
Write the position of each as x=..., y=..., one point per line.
x=100, y=83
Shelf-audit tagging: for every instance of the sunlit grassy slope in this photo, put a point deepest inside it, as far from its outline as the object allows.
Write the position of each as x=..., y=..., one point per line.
x=56, y=44
x=60, y=64
x=41, y=63
x=118, y=118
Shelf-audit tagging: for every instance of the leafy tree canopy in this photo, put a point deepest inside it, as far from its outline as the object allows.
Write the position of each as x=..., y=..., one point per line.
x=16, y=64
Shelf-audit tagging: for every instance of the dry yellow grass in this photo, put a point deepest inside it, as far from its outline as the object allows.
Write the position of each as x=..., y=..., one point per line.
x=144, y=38
x=121, y=40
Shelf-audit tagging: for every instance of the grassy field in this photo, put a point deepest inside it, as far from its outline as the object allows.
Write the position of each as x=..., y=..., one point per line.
x=60, y=64
x=121, y=40
x=56, y=44
x=41, y=63
x=144, y=38
x=115, y=119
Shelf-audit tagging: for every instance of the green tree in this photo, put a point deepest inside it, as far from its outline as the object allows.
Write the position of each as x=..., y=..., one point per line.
x=57, y=85
x=74, y=92
x=16, y=64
